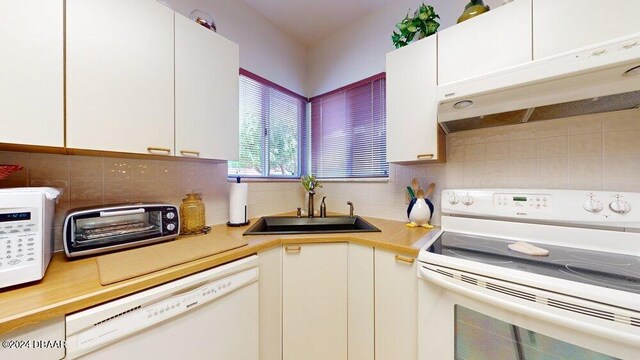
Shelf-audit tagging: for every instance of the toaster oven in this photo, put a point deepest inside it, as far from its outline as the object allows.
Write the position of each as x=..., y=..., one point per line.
x=96, y=230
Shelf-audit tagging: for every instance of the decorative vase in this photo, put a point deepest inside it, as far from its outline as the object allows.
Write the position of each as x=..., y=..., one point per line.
x=420, y=212
x=473, y=9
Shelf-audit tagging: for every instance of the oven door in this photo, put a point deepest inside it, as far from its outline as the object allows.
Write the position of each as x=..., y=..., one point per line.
x=466, y=316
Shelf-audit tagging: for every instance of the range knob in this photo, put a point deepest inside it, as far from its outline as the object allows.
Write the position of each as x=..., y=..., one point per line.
x=453, y=199
x=171, y=227
x=619, y=206
x=171, y=215
x=592, y=205
x=467, y=200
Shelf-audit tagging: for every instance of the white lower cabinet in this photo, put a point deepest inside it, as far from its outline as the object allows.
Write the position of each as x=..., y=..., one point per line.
x=396, y=307
x=271, y=304
x=338, y=301
x=361, y=305
x=314, y=301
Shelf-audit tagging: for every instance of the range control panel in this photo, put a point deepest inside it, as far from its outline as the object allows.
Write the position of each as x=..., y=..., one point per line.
x=597, y=208
x=524, y=202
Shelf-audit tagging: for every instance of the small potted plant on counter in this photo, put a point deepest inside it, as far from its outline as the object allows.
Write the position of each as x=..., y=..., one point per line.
x=310, y=183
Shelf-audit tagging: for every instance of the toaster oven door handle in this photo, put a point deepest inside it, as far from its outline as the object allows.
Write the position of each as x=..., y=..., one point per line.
x=121, y=212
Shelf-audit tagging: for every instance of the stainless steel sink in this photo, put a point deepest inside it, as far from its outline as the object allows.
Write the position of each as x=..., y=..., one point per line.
x=280, y=225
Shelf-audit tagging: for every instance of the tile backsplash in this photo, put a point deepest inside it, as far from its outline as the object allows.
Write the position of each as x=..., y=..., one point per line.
x=595, y=152
x=89, y=181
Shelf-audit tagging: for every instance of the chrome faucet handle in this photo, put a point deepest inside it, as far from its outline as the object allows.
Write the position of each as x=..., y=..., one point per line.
x=350, y=208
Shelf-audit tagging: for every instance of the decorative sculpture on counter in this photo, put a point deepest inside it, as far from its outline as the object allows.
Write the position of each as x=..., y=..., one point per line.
x=420, y=208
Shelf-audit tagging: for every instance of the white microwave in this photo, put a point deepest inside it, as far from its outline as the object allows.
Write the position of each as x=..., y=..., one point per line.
x=26, y=233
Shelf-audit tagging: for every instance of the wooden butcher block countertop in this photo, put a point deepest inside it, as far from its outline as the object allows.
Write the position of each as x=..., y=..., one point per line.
x=73, y=285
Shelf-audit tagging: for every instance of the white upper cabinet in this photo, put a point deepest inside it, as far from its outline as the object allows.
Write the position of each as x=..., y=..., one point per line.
x=413, y=133
x=120, y=76
x=207, y=113
x=487, y=43
x=560, y=26
x=31, y=72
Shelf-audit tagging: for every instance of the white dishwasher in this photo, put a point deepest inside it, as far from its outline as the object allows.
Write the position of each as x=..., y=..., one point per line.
x=209, y=315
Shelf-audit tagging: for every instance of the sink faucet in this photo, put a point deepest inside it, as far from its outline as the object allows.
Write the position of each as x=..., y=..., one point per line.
x=312, y=192
x=350, y=208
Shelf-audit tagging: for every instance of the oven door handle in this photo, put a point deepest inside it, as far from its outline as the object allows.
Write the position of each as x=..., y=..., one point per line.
x=449, y=284
x=121, y=212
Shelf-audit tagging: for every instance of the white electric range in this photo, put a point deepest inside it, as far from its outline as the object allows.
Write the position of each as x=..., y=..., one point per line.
x=482, y=300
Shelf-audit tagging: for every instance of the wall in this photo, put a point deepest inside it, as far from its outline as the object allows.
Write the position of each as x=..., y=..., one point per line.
x=264, y=49
x=358, y=50
x=596, y=152
x=90, y=181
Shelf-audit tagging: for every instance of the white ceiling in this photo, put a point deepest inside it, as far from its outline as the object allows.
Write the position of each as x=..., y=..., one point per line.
x=311, y=20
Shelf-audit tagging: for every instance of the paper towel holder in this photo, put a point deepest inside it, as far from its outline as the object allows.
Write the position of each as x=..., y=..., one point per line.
x=238, y=179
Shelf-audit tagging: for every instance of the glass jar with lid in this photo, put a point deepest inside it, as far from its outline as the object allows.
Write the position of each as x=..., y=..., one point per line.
x=192, y=219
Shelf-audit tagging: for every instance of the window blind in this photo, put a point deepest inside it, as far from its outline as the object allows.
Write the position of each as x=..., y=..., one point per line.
x=348, y=131
x=272, y=130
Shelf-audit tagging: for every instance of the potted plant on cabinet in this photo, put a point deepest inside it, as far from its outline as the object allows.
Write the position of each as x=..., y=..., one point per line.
x=422, y=24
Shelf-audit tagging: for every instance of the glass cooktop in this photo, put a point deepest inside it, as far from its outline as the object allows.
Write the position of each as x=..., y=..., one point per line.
x=614, y=271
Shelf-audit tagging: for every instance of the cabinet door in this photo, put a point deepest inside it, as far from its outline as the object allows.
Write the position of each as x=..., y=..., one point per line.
x=412, y=127
x=560, y=26
x=271, y=304
x=314, y=302
x=207, y=80
x=361, y=305
x=120, y=78
x=31, y=72
x=486, y=43
x=396, y=304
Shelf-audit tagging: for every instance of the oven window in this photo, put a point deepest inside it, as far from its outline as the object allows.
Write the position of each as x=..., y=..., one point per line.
x=480, y=337
x=93, y=231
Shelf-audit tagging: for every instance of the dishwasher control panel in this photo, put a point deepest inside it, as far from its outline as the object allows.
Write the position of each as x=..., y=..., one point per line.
x=83, y=337
x=180, y=303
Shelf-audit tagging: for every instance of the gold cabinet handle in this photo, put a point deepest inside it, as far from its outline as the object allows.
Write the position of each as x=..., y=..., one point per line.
x=159, y=149
x=292, y=249
x=190, y=152
x=425, y=156
x=404, y=259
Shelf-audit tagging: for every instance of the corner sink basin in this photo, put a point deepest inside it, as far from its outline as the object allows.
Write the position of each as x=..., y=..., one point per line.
x=281, y=225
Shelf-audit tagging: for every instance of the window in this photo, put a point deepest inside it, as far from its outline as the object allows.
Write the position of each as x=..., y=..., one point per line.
x=348, y=131
x=272, y=130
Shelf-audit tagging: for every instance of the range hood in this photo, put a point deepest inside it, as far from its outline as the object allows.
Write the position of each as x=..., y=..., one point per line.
x=595, y=79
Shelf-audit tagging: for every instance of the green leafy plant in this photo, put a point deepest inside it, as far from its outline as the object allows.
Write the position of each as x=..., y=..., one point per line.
x=307, y=180
x=422, y=24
